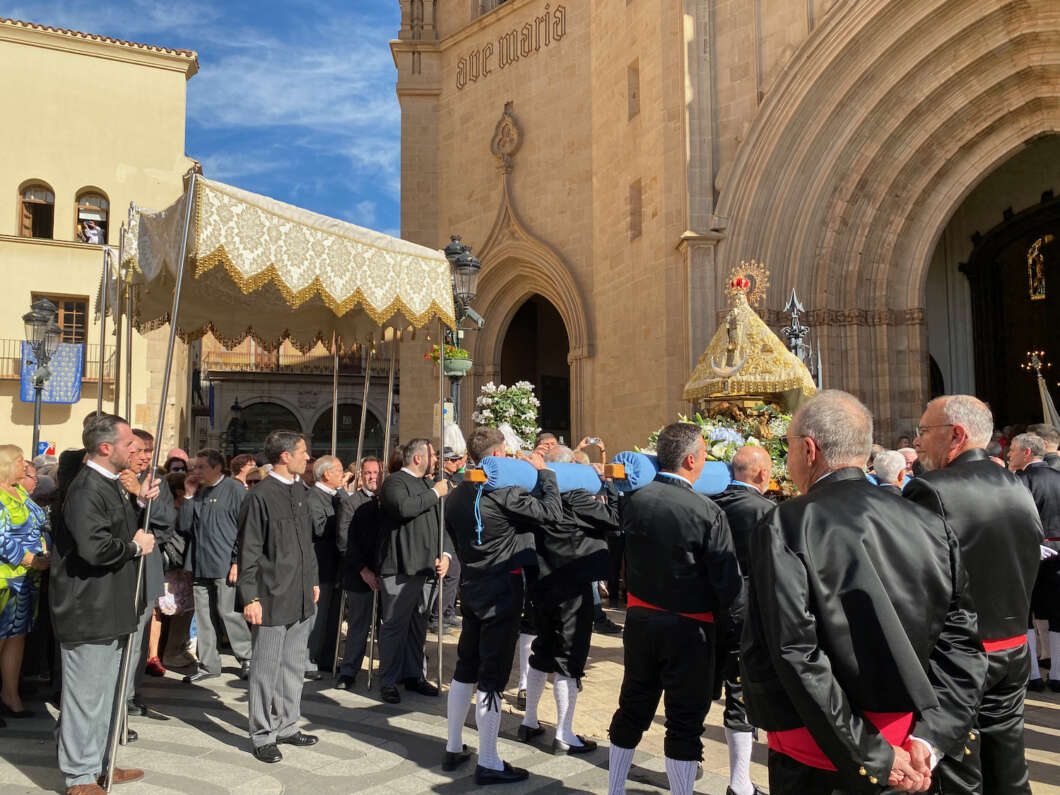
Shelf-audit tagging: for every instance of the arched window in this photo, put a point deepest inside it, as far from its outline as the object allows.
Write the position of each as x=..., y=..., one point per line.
x=93, y=212
x=36, y=211
x=248, y=428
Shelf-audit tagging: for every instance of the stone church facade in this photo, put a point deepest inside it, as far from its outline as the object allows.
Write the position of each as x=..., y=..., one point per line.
x=610, y=162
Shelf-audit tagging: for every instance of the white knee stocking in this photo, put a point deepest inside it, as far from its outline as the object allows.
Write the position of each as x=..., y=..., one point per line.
x=740, y=744
x=459, y=703
x=1054, y=655
x=488, y=720
x=619, y=760
x=525, y=641
x=682, y=776
x=1036, y=672
x=535, y=686
x=566, y=692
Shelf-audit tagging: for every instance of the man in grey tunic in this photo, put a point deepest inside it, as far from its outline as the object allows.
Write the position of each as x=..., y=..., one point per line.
x=278, y=587
x=209, y=516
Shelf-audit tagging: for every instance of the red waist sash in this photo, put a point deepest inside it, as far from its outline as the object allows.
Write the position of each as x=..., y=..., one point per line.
x=1004, y=643
x=800, y=745
x=632, y=601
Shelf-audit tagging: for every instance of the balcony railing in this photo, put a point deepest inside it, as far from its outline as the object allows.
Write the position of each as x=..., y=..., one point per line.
x=284, y=362
x=11, y=361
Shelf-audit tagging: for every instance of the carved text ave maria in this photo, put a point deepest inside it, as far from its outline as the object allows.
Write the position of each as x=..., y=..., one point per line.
x=509, y=47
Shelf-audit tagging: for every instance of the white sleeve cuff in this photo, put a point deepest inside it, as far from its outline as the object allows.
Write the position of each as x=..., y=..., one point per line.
x=448, y=555
x=931, y=749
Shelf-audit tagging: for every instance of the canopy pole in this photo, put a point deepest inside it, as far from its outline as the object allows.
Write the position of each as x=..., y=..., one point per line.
x=118, y=718
x=128, y=344
x=102, y=330
x=118, y=320
x=441, y=502
x=382, y=474
x=364, y=403
x=334, y=395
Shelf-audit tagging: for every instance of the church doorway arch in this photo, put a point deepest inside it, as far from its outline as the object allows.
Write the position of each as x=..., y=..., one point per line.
x=349, y=427
x=535, y=349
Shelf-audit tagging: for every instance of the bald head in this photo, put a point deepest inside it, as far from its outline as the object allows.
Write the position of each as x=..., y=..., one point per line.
x=753, y=466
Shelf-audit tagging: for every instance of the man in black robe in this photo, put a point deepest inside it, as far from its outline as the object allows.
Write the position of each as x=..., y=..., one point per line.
x=209, y=517
x=572, y=554
x=745, y=507
x=494, y=535
x=93, y=597
x=1000, y=534
x=1026, y=454
x=278, y=587
x=681, y=573
x=410, y=556
x=357, y=537
x=1051, y=436
x=860, y=655
x=324, y=499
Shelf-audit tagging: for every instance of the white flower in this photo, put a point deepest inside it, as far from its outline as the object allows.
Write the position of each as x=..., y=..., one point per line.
x=502, y=388
x=485, y=401
x=489, y=388
x=719, y=450
x=753, y=442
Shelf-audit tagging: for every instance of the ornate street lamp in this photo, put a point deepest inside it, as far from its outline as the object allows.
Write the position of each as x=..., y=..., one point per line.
x=464, y=267
x=43, y=336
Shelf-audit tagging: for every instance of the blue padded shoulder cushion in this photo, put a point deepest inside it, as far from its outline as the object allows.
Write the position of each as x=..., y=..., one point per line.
x=504, y=472
x=642, y=468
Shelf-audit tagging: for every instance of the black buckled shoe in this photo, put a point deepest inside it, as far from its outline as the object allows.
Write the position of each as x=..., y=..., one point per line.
x=299, y=738
x=131, y=736
x=528, y=733
x=1036, y=685
x=345, y=682
x=267, y=753
x=199, y=676
x=314, y=676
x=520, y=701
x=757, y=791
x=484, y=776
x=587, y=747
x=390, y=694
x=451, y=761
x=244, y=669
x=421, y=686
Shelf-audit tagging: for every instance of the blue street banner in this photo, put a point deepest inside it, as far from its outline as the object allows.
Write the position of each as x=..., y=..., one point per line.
x=66, y=368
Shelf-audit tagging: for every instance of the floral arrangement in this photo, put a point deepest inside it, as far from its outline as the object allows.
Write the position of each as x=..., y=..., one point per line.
x=451, y=352
x=730, y=428
x=515, y=405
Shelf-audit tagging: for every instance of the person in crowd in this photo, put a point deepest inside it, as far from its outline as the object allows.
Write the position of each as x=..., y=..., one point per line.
x=744, y=505
x=1026, y=458
x=324, y=499
x=1050, y=435
x=494, y=536
x=1000, y=535
x=209, y=519
x=240, y=467
x=892, y=470
x=94, y=601
x=545, y=441
x=162, y=525
x=913, y=466
x=254, y=477
x=176, y=461
x=572, y=554
x=278, y=588
x=845, y=709
x=357, y=537
x=24, y=556
x=681, y=572
x=454, y=462
x=409, y=557
x=904, y=441
x=395, y=460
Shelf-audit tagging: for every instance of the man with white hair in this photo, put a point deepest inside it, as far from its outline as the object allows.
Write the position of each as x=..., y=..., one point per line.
x=1026, y=453
x=891, y=472
x=323, y=501
x=860, y=653
x=1000, y=534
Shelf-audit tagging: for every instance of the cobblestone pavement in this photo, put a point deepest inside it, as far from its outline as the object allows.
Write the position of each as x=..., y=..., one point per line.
x=196, y=742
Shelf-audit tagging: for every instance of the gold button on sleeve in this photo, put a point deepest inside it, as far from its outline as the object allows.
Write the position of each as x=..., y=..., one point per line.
x=873, y=780
x=862, y=771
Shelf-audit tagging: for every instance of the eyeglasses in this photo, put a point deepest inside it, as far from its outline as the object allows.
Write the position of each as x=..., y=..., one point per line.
x=921, y=428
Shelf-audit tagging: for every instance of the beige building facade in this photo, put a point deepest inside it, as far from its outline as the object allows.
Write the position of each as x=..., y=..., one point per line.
x=92, y=124
x=611, y=161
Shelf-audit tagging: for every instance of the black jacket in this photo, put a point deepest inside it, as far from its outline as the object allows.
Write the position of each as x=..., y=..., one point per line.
x=1044, y=484
x=744, y=507
x=573, y=551
x=679, y=552
x=277, y=564
x=210, y=519
x=1000, y=533
x=859, y=603
x=93, y=576
x=505, y=540
x=357, y=534
x=1053, y=460
x=410, y=526
x=323, y=509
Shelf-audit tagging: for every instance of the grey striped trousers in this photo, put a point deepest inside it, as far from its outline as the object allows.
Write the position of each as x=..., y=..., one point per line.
x=277, y=671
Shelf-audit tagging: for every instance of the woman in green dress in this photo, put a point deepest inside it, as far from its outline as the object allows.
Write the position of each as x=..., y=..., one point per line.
x=23, y=556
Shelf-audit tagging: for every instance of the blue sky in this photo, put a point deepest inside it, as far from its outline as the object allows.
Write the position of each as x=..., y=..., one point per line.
x=294, y=98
